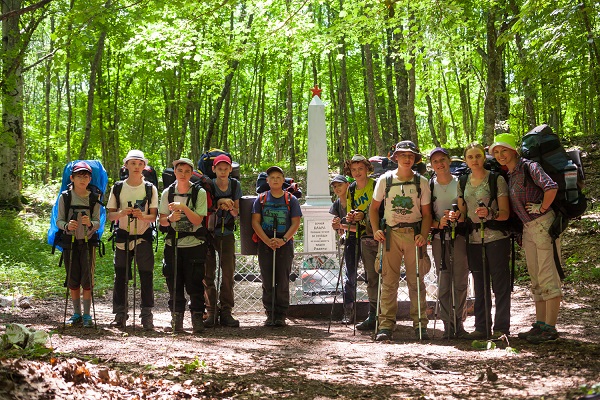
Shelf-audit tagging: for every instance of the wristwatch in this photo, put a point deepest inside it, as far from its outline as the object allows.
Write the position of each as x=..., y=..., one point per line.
x=285, y=240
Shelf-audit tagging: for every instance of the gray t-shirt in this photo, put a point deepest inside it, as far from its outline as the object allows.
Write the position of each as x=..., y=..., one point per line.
x=445, y=196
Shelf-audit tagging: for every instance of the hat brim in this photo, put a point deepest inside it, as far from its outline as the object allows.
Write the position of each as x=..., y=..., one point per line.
x=503, y=144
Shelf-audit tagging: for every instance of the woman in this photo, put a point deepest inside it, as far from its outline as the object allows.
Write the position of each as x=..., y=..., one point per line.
x=531, y=199
x=483, y=202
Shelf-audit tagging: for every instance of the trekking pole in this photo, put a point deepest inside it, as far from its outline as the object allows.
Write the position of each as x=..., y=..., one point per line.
x=134, y=267
x=127, y=262
x=379, y=287
x=485, y=287
x=175, y=268
x=74, y=216
x=418, y=253
x=273, y=281
x=452, y=237
x=356, y=251
x=439, y=279
x=220, y=267
x=341, y=260
x=87, y=256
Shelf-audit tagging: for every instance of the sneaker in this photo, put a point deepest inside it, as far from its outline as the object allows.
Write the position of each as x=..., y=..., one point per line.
x=209, y=321
x=476, y=335
x=228, y=320
x=348, y=317
x=280, y=322
x=536, y=329
x=119, y=321
x=546, y=336
x=383, y=334
x=74, y=320
x=148, y=322
x=87, y=321
x=368, y=324
x=421, y=334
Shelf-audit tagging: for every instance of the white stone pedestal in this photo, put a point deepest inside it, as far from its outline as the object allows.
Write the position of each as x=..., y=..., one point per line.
x=319, y=236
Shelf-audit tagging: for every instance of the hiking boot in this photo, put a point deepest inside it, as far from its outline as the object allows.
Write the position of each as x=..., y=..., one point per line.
x=383, y=334
x=120, y=321
x=368, y=324
x=228, y=320
x=148, y=322
x=461, y=333
x=280, y=322
x=87, y=321
x=536, y=329
x=348, y=315
x=74, y=320
x=269, y=322
x=448, y=334
x=209, y=321
x=421, y=334
x=546, y=336
x=176, y=323
x=476, y=335
x=197, y=323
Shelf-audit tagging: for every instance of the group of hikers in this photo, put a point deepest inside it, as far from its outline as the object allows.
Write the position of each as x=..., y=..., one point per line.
x=385, y=222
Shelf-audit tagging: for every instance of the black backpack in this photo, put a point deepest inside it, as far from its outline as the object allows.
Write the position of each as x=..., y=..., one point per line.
x=205, y=163
x=288, y=185
x=543, y=146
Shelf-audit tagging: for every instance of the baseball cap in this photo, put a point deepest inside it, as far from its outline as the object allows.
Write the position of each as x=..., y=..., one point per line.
x=221, y=158
x=339, y=178
x=81, y=166
x=439, y=150
x=135, y=155
x=183, y=161
x=503, y=139
x=275, y=168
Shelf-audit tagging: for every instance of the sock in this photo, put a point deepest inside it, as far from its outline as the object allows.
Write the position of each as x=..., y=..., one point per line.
x=540, y=323
x=550, y=328
x=77, y=306
x=86, y=306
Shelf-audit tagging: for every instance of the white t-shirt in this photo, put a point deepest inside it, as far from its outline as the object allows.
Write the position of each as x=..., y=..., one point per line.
x=133, y=194
x=403, y=204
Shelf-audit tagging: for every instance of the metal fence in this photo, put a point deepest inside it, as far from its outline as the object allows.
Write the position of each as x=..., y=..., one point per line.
x=313, y=280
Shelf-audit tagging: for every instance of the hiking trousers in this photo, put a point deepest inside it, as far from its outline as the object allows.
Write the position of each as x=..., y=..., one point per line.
x=144, y=256
x=402, y=247
x=283, y=267
x=226, y=262
x=190, y=273
x=368, y=251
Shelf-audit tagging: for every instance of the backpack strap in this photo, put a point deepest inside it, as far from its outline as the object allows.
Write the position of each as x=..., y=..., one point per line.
x=352, y=190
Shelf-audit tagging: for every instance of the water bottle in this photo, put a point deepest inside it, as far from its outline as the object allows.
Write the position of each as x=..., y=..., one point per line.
x=570, y=172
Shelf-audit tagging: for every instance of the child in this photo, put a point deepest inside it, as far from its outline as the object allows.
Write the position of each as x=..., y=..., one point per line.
x=182, y=207
x=338, y=208
x=275, y=219
x=80, y=221
x=408, y=218
x=228, y=192
x=134, y=204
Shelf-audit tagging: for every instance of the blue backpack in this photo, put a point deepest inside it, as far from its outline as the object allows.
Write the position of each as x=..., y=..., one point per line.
x=97, y=188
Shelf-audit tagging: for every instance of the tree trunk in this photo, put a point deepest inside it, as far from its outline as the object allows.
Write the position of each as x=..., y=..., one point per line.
x=342, y=144
x=289, y=122
x=372, y=102
x=48, y=122
x=436, y=142
x=493, y=59
x=389, y=85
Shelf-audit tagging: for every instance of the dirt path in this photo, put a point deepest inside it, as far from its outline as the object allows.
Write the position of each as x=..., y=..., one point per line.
x=302, y=361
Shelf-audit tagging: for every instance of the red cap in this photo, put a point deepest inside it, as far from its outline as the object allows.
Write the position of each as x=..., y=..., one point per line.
x=221, y=158
x=81, y=166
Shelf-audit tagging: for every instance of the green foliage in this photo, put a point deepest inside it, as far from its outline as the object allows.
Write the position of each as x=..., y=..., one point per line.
x=589, y=390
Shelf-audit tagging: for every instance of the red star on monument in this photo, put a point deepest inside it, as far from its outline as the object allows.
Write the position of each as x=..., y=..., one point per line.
x=316, y=91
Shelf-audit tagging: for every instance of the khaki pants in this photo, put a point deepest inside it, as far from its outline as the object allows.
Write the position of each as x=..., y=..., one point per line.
x=402, y=245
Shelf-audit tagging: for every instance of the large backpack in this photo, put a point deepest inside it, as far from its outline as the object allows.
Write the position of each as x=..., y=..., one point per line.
x=97, y=186
x=543, y=146
x=205, y=163
x=288, y=185
x=148, y=172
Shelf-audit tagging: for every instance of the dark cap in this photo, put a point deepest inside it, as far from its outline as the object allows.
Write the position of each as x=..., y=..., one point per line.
x=407, y=146
x=275, y=168
x=439, y=150
x=339, y=178
x=82, y=166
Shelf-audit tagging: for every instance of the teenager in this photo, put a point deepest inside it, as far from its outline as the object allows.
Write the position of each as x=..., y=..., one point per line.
x=133, y=203
x=531, y=199
x=407, y=213
x=182, y=209
x=79, y=254
x=228, y=192
x=275, y=219
x=488, y=261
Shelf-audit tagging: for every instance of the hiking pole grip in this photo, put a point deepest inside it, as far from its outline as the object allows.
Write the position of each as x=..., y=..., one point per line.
x=455, y=209
x=481, y=204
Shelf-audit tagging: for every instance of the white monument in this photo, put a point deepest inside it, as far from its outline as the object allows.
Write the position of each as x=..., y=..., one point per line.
x=318, y=234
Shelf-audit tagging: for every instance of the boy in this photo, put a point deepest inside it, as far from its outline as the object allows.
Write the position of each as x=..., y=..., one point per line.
x=358, y=200
x=338, y=209
x=408, y=218
x=182, y=207
x=134, y=204
x=275, y=219
x=79, y=260
x=228, y=192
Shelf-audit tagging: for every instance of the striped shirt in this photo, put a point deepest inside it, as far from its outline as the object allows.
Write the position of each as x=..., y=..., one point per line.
x=522, y=191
